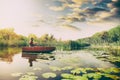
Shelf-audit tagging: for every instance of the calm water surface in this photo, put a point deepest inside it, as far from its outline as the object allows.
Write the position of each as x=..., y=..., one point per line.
x=12, y=61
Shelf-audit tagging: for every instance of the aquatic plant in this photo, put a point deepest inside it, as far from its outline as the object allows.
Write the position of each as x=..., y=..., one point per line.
x=114, y=77
x=49, y=75
x=28, y=76
x=80, y=78
x=37, y=68
x=67, y=75
x=78, y=71
x=54, y=68
x=16, y=74
x=93, y=75
x=67, y=68
x=30, y=73
x=72, y=77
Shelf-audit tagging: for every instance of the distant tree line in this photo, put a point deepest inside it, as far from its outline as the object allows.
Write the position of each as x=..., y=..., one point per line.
x=111, y=37
x=8, y=38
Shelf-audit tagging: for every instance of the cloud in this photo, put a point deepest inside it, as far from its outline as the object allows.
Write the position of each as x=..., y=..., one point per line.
x=70, y=27
x=103, y=14
x=62, y=6
x=80, y=2
x=89, y=10
x=54, y=8
x=116, y=4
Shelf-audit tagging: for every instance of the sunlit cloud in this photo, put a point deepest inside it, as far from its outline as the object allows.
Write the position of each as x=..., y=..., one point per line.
x=54, y=8
x=70, y=27
x=85, y=10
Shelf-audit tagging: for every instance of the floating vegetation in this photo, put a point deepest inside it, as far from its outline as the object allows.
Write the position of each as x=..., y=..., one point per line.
x=30, y=73
x=67, y=75
x=65, y=79
x=72, y=77
x=29, y=76
x=78, y=71
x=92, y=74
x=80, y=78
x=46, y=56
x=69, y=71
x=67, y=68
x=95, y=76
x=89, y=69
x=49, y=75
x=108, y=57
x=54, y=68
x=109, y=70
x=37, y=69
x=114, y=77
x=16, y=74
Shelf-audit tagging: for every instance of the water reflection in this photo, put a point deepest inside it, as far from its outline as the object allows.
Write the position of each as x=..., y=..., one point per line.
x=30, y=57
x=34, y=56
x=33, y=62
x=6, y=54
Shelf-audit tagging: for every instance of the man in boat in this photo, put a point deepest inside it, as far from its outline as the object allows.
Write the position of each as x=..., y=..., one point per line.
x=31, y=42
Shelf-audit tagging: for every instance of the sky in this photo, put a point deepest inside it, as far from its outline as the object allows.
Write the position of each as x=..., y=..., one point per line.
x=65, y=19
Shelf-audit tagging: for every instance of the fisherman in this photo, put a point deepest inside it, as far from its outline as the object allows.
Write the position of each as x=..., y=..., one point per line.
x=31, y=42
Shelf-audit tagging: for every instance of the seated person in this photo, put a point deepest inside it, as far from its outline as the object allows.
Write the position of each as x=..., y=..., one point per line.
x=31, y=42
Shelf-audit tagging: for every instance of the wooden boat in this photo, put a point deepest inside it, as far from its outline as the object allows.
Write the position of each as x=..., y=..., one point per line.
x=40, y=49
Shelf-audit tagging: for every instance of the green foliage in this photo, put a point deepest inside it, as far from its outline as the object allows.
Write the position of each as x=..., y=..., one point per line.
x=9, y=38
x=72, y=45
x=67, y=68
x=7, y=53
x=104, y=38
x=16, y=74
x=49, y=75
x=67, y=75
x=29, y=76
x=53, y=68
x=78, y=71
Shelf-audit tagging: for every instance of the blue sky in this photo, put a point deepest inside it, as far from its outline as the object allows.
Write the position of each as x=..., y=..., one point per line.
x=66, y=19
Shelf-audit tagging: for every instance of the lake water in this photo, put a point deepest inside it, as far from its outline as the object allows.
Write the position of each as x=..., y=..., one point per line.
x=14, y=64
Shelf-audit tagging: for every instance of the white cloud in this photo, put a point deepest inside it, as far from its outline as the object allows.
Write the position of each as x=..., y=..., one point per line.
x=92, y=10
x=103, y=15
x=58, y=8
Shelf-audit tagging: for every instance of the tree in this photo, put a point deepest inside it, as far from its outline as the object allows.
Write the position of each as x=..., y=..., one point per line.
x=115, y=34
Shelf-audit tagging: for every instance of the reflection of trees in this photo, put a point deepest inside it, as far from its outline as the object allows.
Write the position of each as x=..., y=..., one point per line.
x=6, y=54
x=33, y=56
x=7, y=58
x=30, y=57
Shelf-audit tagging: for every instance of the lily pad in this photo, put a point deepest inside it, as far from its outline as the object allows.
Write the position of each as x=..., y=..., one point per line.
x=80, y=78
x=28, y=77
x=67, y=76
x=37, y=68
x=16, y=74
x=65, y=79
x=75, y=72
x=115, y=70
x=53, y=68
x=49, y=75
x=109, y=70
x=114, y=77
x=93, y=75
x=78, y=71
x=67, y=68
x=30, y=73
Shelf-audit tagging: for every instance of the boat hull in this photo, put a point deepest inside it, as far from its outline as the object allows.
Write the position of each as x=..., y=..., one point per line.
x=38, y=49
